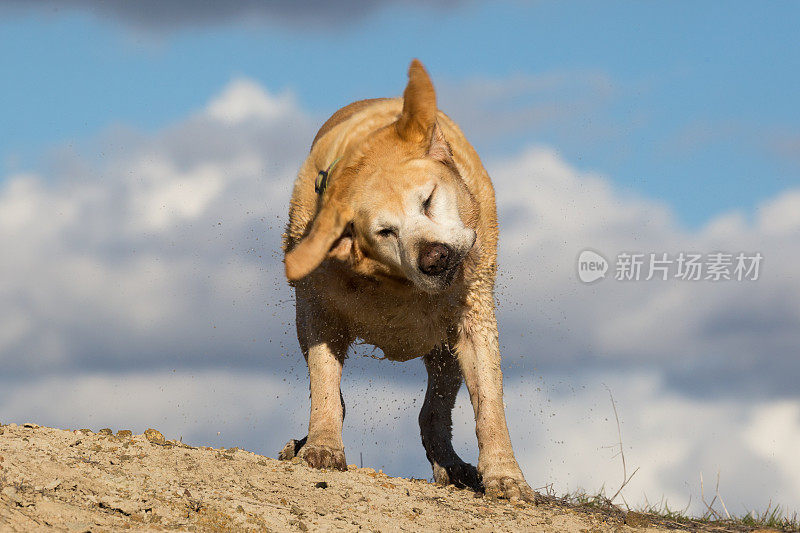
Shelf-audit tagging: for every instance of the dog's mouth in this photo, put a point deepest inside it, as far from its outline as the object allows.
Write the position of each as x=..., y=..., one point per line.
x=441, y=281
x=427, y=284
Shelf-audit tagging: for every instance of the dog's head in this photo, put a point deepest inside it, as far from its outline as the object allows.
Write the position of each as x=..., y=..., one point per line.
x=396, y=207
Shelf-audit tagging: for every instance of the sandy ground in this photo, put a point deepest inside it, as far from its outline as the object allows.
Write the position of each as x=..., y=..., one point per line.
x=59, y=480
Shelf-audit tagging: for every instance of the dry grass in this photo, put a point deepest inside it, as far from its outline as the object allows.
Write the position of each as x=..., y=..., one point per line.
x=772, y=518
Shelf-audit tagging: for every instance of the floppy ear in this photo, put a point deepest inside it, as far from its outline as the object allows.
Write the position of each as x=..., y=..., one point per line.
x=419, y=106
x=326, y=230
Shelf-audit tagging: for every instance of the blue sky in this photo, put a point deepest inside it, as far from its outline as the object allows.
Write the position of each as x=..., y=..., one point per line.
x=146, y=160
x=698, y=107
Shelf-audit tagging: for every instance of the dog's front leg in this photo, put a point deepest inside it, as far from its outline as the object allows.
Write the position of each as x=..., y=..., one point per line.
x=477, y=348
x=324, y=343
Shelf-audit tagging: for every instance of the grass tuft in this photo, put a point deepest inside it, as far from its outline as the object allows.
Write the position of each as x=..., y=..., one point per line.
x=661, y=514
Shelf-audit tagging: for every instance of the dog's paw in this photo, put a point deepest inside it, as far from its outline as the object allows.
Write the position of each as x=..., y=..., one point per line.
x=460, y=474
x=321, y=456
x=509, y=488
x=291, y=449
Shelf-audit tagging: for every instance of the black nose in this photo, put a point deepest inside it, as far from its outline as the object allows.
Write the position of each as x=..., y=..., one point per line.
x=434, y=258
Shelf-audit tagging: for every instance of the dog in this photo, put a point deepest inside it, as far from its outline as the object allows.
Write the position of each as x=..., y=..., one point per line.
x=392, y=239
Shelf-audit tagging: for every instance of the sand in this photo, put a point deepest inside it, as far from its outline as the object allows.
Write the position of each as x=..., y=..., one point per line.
x=52, y=479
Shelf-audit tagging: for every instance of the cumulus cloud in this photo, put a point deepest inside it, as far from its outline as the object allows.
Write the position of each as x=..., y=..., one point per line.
x=162, y=16
x=709, y=337
x=143, y=254
x=220, y=407
x=163, y=251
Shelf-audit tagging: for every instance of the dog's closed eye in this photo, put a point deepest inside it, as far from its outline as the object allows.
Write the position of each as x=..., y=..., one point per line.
x=426, y=205
x=386, y=232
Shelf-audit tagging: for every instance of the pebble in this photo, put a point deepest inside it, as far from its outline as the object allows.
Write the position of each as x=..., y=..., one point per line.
x=155, y=436
x=105, y=431
x=124, y=433
x=321, y=484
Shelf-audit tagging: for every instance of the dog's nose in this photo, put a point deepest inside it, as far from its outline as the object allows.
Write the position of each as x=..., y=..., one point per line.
x=434, y=258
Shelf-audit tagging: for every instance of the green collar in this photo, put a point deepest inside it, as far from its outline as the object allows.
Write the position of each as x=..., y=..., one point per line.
x=321, y=183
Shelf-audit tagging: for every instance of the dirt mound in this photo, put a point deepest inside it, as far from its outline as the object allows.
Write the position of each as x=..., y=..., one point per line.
x=52, y=479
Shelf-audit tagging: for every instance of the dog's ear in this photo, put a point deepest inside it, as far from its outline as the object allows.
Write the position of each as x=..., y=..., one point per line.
x=419, y=106
x=328, y=236
x=439, y=149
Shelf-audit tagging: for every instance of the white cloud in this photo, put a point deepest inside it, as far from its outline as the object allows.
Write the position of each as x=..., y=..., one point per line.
x=195, y=406
x=244, y=99
x=670, y=437
x=773, y=432
x=163, y=254
x=166, y=196
x=781, y=215
x=162, y=251
x=550, y=212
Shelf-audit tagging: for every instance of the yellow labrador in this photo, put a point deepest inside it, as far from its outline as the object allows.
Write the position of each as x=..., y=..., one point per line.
x=392, y=238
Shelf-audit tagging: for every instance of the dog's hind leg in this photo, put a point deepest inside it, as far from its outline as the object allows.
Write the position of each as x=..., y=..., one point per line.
x=436, y=422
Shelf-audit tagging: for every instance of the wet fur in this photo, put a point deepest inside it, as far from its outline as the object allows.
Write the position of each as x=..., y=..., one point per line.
x=346, y=292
